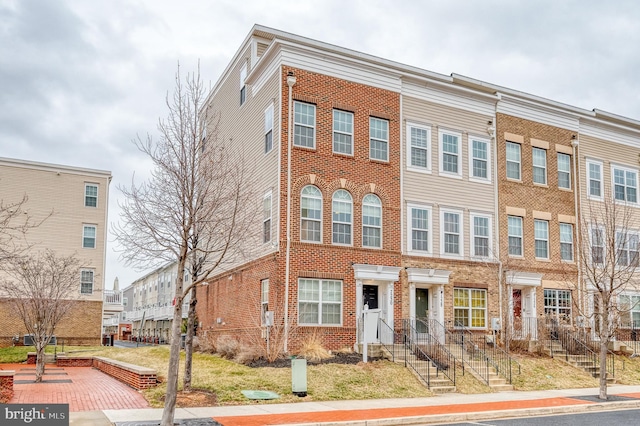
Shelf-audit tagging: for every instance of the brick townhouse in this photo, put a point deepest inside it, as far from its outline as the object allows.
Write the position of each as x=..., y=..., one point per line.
x=412, y=194
x=76, y=199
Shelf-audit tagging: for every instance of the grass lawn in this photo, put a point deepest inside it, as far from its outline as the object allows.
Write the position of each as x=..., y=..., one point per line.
x=380, y=379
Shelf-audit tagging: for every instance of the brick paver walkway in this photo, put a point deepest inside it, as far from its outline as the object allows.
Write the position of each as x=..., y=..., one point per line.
x=89, y=390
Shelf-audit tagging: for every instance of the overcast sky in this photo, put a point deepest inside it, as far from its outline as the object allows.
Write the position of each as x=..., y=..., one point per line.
x=80, y=79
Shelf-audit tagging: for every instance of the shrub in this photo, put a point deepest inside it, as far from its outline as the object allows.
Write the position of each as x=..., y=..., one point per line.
x=227, y=347
x=312, y=349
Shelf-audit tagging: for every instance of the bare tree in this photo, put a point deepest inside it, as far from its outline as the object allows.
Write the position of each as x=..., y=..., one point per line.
x=608, y=261
x=41, y=289
x=196, y=203
x=15, y=222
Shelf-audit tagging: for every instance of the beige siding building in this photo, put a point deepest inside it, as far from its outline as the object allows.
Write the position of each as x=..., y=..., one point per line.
x=73, y=203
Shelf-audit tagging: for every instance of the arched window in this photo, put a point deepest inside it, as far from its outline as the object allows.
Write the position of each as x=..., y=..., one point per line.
x=311, y=214
x=341, y=209
x=371, y=221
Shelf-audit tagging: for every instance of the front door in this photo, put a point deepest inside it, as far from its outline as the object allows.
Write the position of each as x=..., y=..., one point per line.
x=370, y=296
x=422, y=309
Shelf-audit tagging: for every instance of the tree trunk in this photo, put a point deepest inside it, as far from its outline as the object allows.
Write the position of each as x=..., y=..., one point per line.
x=39, y=362
x=174, y=359
x=188, y=343
x=604, y=349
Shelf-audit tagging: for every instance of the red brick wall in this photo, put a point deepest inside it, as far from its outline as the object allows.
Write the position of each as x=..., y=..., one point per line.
x=127, y=376
x=236, y=301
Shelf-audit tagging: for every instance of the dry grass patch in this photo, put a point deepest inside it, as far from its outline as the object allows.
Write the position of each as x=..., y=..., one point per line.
x=627, y=370
x=542, y=373
x=468, y=384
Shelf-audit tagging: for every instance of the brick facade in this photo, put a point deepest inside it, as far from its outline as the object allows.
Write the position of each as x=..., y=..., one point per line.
x=82, y=325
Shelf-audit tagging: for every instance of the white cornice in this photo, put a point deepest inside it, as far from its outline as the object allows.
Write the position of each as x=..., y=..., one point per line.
x=376, y=272
x=428, y=276
x=521, y=278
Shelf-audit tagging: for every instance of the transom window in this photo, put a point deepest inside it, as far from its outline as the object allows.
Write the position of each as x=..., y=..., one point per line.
x=470, y=307
x=625, y=184
x=595, y=179
x=378, y=139
x=540, y=166
x=268, y=129
x=266, y=218
x=513, y=160
x=450, y=157
x=541, y=237
x=90, y=195
x=419, y=149
x=311, y=214
x=557, y=303
x=304, y=123
x=481, y=236
x=342, y=207
x=371, y=221
x=452, y=227
x=342, y=132
x=419, y=222
x=566, y=241
x=564, y=171
x=319, y=302
x=479, y=159
x=627, y=246
x=86, y=281
x=515, y=235
x=89, y=236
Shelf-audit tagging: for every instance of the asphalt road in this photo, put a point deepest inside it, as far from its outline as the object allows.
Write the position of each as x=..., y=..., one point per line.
x=623, y=417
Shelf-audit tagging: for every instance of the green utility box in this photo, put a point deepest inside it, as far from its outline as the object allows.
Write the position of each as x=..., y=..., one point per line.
x=299, y=377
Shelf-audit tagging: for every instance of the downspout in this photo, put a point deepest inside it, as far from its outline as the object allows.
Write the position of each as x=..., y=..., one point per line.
x=575, y=142
x=492, y=132
x=291, y=80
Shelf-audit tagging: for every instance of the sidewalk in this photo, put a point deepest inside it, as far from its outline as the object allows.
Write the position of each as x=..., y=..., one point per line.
x=438, y=409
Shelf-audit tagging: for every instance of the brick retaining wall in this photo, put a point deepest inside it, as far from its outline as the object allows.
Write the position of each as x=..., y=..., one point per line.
x=133, y=375
x=6, y=386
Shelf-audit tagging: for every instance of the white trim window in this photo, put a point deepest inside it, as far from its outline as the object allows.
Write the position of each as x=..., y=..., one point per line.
x=419, y=220
x=266, y=218
x=627, y=245
x=450, y=153
x=342, y=132
x=264, y=301
x=625, y=184
x=557, y=304
x=243, y=87
x=594, y=175
x=541, y=238
x=341, y=212
x=451, y=225
x=268, y=129
x=86, y=281
x=514, y=160
x=597, y=245
x=539, y=165
x=90, y=195
x=89, y=236
x=319, y=302
x=311, y=214
x=378, y=139
x=470, y=308
x=480, y=235
x=564, y=171
x=419, y=148
x=371, y=221
x=566, y=242
x=304, y=124
x=479, y=159
x=630, y=310
x=514, y=232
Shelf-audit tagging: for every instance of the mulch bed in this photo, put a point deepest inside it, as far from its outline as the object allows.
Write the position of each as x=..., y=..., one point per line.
x=337, y=358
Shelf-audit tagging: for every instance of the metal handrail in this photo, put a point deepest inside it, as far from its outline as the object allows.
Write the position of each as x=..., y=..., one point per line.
x=387, y=334
x=426, y=347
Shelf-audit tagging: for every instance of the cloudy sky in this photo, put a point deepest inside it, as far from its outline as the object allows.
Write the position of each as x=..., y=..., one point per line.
x=80, y=79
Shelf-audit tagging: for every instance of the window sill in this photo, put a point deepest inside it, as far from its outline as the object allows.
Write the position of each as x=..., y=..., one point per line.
x=450, y=175
x=451, y=256
x=342, y=154
x=541, y=185
x=514, y=180
x=375, y=160
x=418, y=170
x=419, y=253
x=480, y=180
x=565, y=189
x=304, y=148
x=515, y=256
x=543, y=259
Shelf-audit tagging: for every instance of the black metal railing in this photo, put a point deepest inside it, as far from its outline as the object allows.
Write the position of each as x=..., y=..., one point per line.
x=392, y=341
x=426, y=347
x=629, y=334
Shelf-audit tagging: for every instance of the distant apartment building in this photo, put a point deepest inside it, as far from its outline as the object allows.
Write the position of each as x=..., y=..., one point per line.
x=435, y=201
x=73, y=201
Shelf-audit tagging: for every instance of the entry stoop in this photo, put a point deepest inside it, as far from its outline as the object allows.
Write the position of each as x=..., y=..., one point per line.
x=374, y=350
